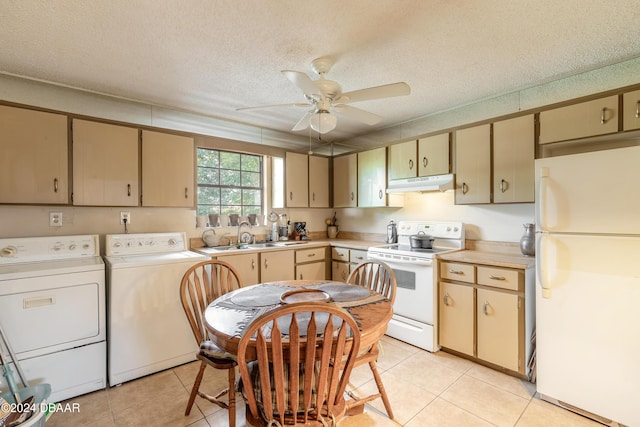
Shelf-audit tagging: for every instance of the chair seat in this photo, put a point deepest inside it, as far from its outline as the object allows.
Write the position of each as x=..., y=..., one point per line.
x=215, y=355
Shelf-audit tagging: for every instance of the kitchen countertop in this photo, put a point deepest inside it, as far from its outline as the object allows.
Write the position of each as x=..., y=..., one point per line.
x=292, y=244
x=497, y=259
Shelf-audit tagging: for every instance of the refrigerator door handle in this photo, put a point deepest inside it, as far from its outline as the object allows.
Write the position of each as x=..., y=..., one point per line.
x=544, y=285
x=542, y=193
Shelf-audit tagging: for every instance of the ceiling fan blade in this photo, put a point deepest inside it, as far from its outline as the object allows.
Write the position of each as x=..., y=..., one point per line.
x=298, y=104
x=303, y=123
x=376, y=92
x=303, y=81
x=357, y=114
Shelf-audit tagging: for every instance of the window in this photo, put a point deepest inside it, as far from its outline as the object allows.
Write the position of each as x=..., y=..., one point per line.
x=229, y=183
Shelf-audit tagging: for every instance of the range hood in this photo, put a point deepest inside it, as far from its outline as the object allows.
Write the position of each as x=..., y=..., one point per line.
x=421, y=184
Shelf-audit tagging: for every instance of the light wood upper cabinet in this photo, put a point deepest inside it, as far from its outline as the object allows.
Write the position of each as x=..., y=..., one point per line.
x=345, y=181
x=473, y=165
x=168, y=163
x=591, y=118
x=631, y=109
x=318, y=182
x=402, y=160
x=105, y=164
x=423, y=157
x=513, y=159
x=296, y=180
x=33, y=157
x=372, y=179
x=433, y=155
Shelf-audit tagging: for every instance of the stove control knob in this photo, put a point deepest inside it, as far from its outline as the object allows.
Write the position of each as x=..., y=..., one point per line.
x=8, y=251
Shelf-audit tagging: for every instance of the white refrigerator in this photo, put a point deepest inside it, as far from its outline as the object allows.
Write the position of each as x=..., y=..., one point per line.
x=588, y=283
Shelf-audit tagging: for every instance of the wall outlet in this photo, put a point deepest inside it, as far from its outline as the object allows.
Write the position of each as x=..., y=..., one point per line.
x=125, y=215
x=55, y=219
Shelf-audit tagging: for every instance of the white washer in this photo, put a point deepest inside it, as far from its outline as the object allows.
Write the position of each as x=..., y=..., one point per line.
x=52, y=309
x=148, y=330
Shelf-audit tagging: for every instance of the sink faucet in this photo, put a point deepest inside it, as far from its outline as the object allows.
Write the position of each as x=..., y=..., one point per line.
x=243, y=235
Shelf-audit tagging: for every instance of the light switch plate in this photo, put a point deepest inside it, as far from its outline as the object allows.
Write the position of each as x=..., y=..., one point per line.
x=55, y=219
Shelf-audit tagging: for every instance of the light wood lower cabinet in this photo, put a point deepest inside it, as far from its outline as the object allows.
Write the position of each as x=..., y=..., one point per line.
x=247, y=266
x=344, y=260
x=276, y=265
x=311, y=264
x=481, y=314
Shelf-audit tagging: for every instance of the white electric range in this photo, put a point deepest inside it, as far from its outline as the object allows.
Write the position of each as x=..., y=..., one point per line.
x=415, y=309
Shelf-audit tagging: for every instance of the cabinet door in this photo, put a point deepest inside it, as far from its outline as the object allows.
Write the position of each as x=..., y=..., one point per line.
x=456, y=316
x=513, y=158
x=498, y=323
x=318, y=182
x=372, y=171
x=433, y=155
x=402, y=160
x=345, y=181
x=631, y=110
x=339, y=271
x=312, y=271
x=473, y=165
x=33, y=157
x=168, y=163
x=597, y=117
x=105, y=164
x=247, y=266
x=276, y=265
x=296, y=180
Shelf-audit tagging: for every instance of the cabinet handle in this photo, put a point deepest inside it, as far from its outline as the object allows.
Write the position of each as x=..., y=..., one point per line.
x=359, y=257
x=344, y=275
x=465, y=188
x=638, y=109
x=301, y=276
x=456, y=272
x=352, y=195
x=313, y=196
x=425, y=161
x=410, y=164
x=253, y=264
x=310, y=255
x=492, y=277
x=129, y=190
x=503, y=185
x=603, y=119
x=266, y=263
x=445, y=300
x=290, y=195
x=484, y=308
x=186, y=193
x=380, y=194
x=55, y=185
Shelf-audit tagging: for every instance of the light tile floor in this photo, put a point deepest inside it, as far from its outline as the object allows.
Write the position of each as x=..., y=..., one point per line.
x=425, y=389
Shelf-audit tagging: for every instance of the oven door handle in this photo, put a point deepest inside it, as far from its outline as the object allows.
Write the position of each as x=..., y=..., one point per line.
x=391, y=261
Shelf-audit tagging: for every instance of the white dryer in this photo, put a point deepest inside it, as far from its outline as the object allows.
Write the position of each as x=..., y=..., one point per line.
x=52, y=310
x=148, y=330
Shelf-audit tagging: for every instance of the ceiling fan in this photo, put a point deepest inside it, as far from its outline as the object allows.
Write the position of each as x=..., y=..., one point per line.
x=325, y=97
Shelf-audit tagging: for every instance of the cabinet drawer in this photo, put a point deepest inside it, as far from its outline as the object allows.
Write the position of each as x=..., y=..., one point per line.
x=499, y=278
x=459, y=272
x=340, y=254
x=357, y=256
x=308, y=255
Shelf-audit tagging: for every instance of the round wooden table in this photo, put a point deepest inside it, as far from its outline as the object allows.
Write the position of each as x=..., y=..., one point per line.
x=227, y=317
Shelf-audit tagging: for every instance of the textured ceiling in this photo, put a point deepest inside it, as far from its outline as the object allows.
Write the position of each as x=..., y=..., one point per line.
x=211, y=56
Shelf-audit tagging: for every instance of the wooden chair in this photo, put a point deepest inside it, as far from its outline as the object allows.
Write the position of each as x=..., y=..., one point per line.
x=201, y=284
x=288, y=341
x=377, y=276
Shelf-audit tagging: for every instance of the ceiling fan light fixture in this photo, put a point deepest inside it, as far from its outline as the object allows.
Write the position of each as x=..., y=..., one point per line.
x=323, y=122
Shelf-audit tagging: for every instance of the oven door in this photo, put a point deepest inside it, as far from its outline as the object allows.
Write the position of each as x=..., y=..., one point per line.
x=415, y=290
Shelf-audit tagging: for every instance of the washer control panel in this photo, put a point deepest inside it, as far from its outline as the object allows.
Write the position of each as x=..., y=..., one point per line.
x=145, y=243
